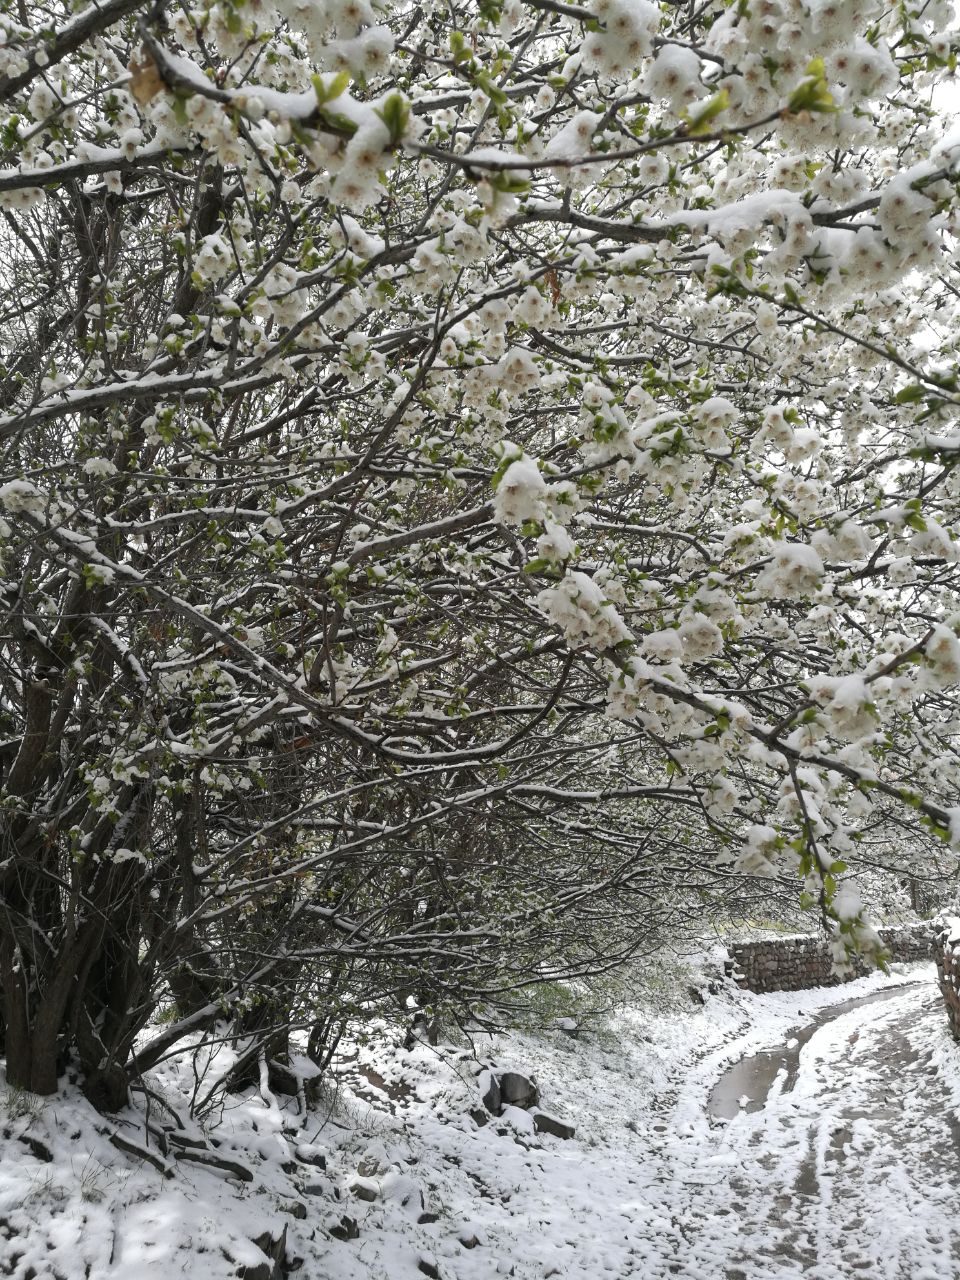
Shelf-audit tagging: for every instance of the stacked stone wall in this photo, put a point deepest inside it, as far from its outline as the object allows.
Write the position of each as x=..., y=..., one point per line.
x=796, y=963
x=947, y=955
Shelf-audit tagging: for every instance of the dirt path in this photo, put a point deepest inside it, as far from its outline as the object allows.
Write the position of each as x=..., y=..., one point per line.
x=844, y=1160
x=747, y=1085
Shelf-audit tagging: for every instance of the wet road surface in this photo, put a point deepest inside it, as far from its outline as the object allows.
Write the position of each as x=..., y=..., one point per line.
x=746, y=1085
x=835, y=1156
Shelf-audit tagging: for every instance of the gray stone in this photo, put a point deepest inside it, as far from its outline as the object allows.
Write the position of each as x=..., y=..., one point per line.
x=492, y=1099
x=518, y=1090
x=259, y=1271
x=345, y=1229
x=273, y=1268
x=544, y=1123
x=315, y=1158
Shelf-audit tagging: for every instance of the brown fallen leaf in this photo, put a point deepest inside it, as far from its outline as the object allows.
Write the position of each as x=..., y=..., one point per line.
x=146, y=81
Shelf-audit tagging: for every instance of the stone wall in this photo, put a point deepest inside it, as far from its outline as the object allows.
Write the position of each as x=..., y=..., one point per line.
x=795, y=963
x=946, y=952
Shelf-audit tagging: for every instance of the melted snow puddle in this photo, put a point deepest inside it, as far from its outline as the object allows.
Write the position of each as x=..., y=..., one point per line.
x=747, y=1084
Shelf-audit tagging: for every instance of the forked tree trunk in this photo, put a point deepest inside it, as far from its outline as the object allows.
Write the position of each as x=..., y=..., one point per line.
x=71, y=983
x=43, y=1028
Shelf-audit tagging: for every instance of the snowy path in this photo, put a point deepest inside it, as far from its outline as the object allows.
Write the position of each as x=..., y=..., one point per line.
x=851, y=1172
x=848, y=1165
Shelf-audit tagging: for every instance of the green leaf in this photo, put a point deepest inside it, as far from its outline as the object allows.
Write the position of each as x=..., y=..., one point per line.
x=510, y=181
x=493, y=91
x=702, y=120
x=327, y=93
x=909, y=394
x=459, y=49
x=812, y=93
x=395, y=114
x=538, y=565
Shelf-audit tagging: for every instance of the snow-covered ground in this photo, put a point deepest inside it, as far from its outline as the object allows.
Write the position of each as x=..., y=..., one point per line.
x=852, y=1170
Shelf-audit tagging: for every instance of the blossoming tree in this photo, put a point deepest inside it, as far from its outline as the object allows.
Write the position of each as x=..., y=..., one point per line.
x=477, y=477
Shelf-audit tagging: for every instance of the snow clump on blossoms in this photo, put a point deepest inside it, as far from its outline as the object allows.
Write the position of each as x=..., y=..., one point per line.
x=516, y=371
x=214, y=259
x=847, y=542
x=573, y=139
x=663, y=646
x=711, y=420
x=555, y=544
x=775, y=432
x=695, y=640
x=847, y=902
x=357, y=184
x=761, y=851
x=796, y=571
x=801, y=801
x=364, y=55
x=847, y=704
x=347, y=232
x=629, y=27
x=701, y=639
x=579, y=607
x=21, y=496
x=867, y=70
x=674, y=75
x=99, y=467
x=943, y=656
x=533, y=308
x=520, y=493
